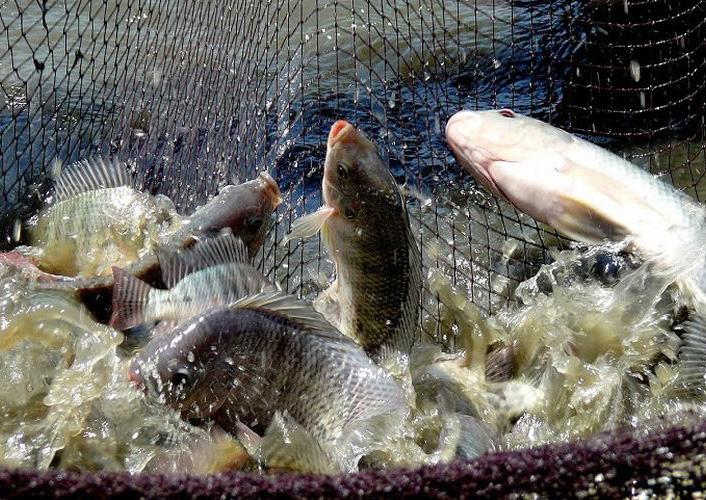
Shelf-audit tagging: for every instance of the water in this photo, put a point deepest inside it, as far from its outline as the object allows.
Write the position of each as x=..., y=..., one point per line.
x=66, y=401
x=594, y=351
x=198, y=95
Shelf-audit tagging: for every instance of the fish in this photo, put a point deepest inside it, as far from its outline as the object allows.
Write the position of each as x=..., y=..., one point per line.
x=269, y=362
x=375, y=298
x=97, y=218
x=215, y=271
x=583, y=191
x=246, y=209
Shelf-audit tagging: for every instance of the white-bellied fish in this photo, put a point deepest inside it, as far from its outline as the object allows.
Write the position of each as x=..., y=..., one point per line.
x=591, y=195
x=97, y=219
x=365, y=227
x=213, y=272
x=576, y=187
x=271, y=365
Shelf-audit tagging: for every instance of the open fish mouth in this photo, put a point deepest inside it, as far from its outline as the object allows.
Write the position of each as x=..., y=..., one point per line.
x=272, y=189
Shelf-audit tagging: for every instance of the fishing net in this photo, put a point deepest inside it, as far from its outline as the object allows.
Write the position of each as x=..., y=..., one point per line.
x=196, y=94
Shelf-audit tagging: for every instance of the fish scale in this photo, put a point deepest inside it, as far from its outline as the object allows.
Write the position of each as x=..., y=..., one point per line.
x=378, y=294
x=217, y=285
x=214, y=271
x=375, y=297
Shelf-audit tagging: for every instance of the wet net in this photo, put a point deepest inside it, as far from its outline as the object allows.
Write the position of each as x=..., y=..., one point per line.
x=199, y=94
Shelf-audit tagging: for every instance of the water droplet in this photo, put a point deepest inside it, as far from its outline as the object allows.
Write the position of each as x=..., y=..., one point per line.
x=635, y=70
x=17, y=230
x=190, y=357
x=496, y=63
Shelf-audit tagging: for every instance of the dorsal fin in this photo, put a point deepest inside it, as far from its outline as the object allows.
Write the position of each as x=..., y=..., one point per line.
x=223, y=249
x=294, y=309
x=91, y=174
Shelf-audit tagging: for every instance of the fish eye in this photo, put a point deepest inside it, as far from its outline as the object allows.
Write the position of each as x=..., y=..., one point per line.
x=507, y=113
x=342, y=169
x=254, y=224
x=349, y=212
x=181, y=377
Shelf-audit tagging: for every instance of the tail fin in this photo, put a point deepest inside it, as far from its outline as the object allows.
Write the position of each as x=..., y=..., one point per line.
x=130, y=296
x=286, y=446
x=692, y=354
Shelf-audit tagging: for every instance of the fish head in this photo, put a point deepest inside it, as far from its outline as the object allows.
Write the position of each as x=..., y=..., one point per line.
x=518, y=158
x=357, y=184
x=245, y=208
x=181, y=371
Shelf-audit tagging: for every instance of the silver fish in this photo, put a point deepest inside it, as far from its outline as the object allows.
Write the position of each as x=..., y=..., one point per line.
x=583, y=190
x=591, y=195
x=213, y=272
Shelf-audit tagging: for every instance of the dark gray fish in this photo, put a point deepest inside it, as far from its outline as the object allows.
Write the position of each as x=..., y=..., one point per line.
x=269, y=354
x=246, y=209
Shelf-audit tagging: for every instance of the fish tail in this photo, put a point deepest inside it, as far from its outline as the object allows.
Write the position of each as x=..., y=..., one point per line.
x=286, y=445
x=692, y=354
x=130, y=296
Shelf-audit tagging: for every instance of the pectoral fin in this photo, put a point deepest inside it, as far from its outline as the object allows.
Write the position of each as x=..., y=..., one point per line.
x=597, y=207
x=308, y=225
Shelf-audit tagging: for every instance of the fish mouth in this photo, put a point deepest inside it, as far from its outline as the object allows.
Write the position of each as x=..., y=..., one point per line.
x=271, y=189
x=341, y=132
x=466, y=115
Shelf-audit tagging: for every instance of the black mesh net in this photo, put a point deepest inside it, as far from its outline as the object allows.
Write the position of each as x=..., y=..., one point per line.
x=197, y=94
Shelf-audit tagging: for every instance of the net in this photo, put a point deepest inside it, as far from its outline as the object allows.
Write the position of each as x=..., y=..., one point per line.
x=199, y=94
